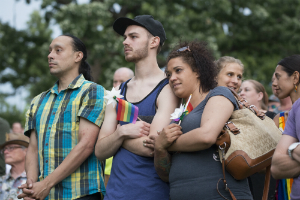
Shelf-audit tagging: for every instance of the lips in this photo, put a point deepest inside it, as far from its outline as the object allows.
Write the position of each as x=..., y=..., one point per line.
x=175, y=85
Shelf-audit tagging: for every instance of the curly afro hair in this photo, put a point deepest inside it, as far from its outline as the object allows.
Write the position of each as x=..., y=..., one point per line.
x=201, y=60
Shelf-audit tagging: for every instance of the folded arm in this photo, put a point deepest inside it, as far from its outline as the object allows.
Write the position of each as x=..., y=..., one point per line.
x=216, y=113
x=111, y=136
x=282, y=164
x=166, y=104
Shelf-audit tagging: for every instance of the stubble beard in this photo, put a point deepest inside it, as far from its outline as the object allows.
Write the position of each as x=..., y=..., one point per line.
x=139, y=54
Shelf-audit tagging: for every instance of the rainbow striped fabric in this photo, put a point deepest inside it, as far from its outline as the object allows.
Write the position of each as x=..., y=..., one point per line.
x=127, y=112
x=189, y=108
x=284, y=186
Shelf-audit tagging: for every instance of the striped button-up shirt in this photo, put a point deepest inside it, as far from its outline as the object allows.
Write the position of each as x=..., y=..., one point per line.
x=55, y=118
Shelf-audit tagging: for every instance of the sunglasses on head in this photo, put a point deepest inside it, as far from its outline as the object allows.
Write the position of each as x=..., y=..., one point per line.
x=187, y=48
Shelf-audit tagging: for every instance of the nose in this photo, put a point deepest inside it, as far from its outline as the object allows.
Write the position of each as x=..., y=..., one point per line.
x=50, y=55
x=125, y=42
x=234, y=80
x=274, y=83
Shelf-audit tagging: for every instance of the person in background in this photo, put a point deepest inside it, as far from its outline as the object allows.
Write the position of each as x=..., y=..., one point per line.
x=4, y=129
x=230, y=72
x=273, y=103
x=254, y=92
x=63, y=124
x=286, y=159
x=17, y=128
x=14, y=151
x=121, y=75
x=285, y=103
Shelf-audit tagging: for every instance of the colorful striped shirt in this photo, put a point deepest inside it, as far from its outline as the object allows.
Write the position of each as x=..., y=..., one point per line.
x=55, y=117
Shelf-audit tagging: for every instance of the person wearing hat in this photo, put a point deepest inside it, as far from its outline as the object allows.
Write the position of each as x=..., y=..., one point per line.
x=273, y=103
x=4, y=128
x=14, y=151
x=133, y=175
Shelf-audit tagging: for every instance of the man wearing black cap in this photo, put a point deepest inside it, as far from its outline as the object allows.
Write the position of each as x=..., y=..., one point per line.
x=133, y=175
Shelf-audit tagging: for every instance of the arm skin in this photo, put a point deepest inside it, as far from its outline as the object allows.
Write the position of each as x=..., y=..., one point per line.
x=111, y=136
x=216, y=113
x=162, y=158
x=198, y=139
x=282, y=165
x=87, y=137
x=31, y=163
x=160, y=120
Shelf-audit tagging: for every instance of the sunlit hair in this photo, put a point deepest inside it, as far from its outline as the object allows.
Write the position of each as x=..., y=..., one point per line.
x=223, y=61
x=201, y=60
x=260, y=88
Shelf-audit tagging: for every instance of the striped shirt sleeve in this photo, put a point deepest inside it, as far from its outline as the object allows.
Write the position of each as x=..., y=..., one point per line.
x=93, y=105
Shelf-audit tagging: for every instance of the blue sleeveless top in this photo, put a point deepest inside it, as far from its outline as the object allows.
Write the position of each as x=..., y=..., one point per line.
x=133, y=176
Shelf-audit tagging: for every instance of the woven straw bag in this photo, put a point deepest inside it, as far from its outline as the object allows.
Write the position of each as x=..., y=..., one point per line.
x=247, y=142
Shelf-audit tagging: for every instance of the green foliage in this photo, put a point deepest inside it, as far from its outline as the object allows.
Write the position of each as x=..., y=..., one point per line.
x=259, y=33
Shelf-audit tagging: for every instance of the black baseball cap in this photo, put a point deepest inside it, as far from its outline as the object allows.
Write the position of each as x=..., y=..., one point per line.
x=146, y=21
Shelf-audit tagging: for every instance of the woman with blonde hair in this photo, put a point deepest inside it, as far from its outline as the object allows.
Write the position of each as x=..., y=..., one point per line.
x=255, y=93
x=230, y=72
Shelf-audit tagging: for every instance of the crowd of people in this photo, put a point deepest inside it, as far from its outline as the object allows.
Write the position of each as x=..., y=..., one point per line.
x=75, y=147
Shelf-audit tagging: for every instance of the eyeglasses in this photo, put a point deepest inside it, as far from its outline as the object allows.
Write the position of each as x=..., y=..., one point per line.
x=272, y=107
x=187, y=48
x=9, y=149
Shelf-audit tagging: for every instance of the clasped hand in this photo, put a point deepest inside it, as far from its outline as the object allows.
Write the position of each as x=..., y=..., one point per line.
x=165, y=138
x=37, y=190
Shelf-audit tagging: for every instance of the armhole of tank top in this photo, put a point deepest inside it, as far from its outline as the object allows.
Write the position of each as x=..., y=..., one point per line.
x=123, y=87
x=162, y=87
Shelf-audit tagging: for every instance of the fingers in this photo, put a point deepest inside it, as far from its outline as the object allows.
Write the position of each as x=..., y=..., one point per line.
x=27, y=191
x=29, y=183
x=23, y=195
x=28, y=198
x=23, y=186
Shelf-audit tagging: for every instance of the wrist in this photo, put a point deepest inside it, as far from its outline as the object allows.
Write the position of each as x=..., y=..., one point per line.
x=49, y=182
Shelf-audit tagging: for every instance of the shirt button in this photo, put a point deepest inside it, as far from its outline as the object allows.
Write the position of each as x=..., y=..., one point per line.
x=46, y=144
x=53, y=113
x=49, y=128
x=46, y=161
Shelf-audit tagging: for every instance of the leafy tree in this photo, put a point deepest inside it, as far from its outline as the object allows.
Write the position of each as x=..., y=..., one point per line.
x=259, y=33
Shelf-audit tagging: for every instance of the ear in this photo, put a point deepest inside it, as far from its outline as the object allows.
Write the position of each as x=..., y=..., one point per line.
x=78, y=56
x=296, y=78
x=154, y=42
x=260, y=96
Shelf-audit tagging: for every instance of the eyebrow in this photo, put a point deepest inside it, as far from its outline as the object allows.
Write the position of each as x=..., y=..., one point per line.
x=131, y=33
x=55, y=46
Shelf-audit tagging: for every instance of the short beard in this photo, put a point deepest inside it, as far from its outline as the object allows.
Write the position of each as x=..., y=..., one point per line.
x=139, y=54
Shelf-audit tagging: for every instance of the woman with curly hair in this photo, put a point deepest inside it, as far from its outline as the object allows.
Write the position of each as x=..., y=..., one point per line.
x=192, y=171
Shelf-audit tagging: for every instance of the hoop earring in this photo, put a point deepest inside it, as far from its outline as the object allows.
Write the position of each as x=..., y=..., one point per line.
x=296, y=88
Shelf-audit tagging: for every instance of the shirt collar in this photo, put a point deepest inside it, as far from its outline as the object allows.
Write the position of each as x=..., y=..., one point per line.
x=8, y=176
x=76, y=83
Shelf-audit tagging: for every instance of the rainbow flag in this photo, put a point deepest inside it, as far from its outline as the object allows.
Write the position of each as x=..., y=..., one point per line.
x=189, y=108
x=127, y=112
x=283, y=186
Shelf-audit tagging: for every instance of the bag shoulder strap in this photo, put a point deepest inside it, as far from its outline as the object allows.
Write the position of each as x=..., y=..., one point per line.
x=266, y=185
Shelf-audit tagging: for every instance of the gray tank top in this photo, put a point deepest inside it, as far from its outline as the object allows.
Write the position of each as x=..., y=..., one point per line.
x=194, y=175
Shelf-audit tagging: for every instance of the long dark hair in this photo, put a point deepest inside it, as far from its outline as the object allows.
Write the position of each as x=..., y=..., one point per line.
x=84, y=67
